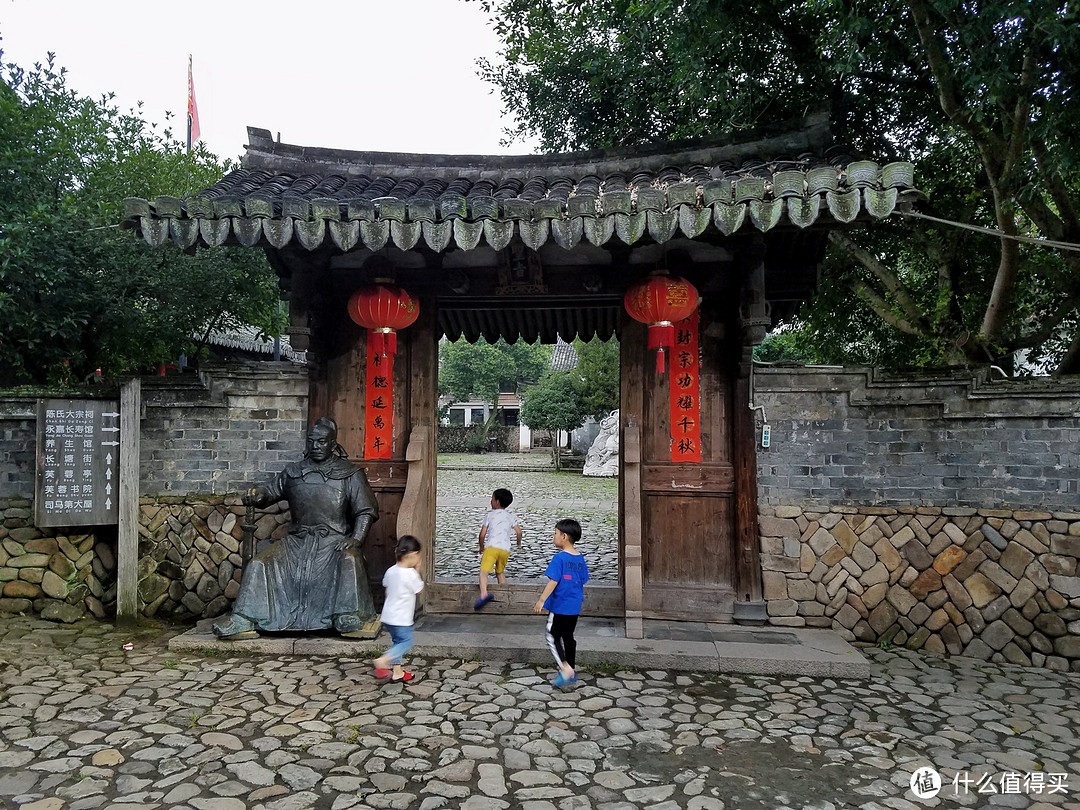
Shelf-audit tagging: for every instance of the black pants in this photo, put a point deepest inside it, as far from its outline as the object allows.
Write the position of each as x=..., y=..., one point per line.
x=560, y=638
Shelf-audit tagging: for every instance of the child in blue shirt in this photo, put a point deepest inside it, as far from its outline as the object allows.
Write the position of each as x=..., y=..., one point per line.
x=563, y=595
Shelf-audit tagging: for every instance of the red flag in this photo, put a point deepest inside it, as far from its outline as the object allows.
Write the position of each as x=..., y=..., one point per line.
x=192, y=109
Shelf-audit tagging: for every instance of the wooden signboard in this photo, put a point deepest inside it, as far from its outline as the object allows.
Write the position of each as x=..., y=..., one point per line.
x=78, y=456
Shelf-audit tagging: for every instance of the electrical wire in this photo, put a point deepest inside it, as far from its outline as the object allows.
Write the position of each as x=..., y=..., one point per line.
x=1050, y=243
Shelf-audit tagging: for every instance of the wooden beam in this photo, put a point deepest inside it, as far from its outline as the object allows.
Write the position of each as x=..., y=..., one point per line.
x=127, y=551
x=748, y=543
x=633, y=582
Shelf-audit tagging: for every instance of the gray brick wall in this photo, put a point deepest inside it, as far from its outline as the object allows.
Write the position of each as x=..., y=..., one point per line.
x=861, y=437
x=18, y=440
x=205, y=434
x=232, y=425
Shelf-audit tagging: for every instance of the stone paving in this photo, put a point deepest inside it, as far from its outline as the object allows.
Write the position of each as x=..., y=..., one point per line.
x=92, y=716
x=541, y=497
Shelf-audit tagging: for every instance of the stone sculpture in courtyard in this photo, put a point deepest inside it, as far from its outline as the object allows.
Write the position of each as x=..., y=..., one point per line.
x=602, y=460
x=314, y=578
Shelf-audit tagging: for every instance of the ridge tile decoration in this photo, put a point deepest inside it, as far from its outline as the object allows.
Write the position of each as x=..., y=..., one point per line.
x=352, y=200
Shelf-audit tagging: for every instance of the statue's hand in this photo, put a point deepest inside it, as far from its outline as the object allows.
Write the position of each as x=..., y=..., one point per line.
x=253, y=496
x=345, y=543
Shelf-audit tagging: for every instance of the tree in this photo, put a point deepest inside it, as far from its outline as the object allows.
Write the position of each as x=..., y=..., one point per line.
x=76, y=293
x=596, y=377
x=485, y=369
x=981, y=96
x=553, y=404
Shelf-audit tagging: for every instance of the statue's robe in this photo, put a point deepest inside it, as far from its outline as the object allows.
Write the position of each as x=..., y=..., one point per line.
x=303, y=582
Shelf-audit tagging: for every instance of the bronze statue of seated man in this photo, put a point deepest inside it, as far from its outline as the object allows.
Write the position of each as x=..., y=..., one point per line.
x=313, y=578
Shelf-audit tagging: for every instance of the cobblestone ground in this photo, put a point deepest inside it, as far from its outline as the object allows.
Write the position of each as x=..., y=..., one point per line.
x=85, y=723
x=540, y=499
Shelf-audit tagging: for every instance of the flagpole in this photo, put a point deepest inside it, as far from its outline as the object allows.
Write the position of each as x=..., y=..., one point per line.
x=191, y=88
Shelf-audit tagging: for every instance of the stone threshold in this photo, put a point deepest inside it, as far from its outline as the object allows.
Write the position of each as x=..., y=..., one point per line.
x=676, y=646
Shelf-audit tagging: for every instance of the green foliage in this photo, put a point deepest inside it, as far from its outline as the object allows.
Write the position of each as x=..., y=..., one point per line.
x=482, y=369
x=596, y=378
x=474, y=442
x=76, y=293
x=982, y=97
x=553, y=404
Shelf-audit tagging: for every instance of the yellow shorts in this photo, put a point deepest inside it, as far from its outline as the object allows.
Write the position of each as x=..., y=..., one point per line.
x=494, y=560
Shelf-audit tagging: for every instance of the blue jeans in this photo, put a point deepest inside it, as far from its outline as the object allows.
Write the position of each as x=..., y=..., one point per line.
x=402, y=636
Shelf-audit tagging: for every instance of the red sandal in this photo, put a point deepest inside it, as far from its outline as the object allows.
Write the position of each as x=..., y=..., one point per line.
x=382, y=674
x=405, y=678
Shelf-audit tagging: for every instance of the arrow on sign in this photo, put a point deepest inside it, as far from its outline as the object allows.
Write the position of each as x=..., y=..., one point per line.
x=108, y=472
x=110, y=414
x=110, y=444
x=110, y=430
x=108, y=503
x=108, y=458
x=108, y=488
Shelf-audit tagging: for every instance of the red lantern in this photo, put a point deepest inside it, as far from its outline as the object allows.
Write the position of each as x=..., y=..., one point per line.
x=383, y=308
x=661, y=301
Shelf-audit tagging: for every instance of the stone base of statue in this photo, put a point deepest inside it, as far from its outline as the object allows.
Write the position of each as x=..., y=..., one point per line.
x=369, y=631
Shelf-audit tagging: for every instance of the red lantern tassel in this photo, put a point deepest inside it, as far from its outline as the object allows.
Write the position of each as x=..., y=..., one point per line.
x=384, y=341
x=661, y=336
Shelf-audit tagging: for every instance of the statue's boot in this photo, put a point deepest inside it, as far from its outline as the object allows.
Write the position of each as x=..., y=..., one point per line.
x=235, y=627
x=353, y=625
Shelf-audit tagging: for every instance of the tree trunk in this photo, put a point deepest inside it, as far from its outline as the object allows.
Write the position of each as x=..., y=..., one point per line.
x=1070, y=362
x=490, y=420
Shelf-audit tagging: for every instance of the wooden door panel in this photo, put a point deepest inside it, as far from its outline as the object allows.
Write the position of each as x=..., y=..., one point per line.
x=687, y=539
x=703, y=478
x=687, y=511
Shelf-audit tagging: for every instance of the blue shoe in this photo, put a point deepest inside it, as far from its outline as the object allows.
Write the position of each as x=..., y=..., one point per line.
x=482, y=601
x=561, y=681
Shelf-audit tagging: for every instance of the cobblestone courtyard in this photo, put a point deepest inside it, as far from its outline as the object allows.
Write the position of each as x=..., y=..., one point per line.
x=87, y=723
x=541, y=497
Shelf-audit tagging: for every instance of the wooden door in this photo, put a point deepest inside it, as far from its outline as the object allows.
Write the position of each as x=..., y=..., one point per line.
x=678, y=519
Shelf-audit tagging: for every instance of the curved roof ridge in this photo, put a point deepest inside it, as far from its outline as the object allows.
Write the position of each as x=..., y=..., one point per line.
x=808, y=134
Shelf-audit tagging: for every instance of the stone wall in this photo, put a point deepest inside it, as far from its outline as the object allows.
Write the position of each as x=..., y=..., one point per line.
x=203, y=437
x=189, y=553
x=940, y=513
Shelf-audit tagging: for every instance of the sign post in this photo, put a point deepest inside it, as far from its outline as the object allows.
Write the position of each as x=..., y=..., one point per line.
x=88, y=475
x=78, y=463
x=127, y=545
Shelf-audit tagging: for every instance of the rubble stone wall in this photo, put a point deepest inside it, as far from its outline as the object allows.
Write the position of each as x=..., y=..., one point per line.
x=203, y=437
x=189, y=553
x=938, y=513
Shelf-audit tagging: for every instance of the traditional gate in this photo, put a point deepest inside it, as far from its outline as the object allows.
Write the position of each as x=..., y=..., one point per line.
x=541, y=247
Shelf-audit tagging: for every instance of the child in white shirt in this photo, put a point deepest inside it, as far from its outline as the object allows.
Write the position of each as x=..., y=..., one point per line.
x=402, y=583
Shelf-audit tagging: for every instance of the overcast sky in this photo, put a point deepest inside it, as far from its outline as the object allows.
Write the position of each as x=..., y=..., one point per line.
x=387, y=75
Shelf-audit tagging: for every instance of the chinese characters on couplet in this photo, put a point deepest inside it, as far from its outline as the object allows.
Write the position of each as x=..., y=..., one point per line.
x=78, y=458
x=378, y=403
x=685, y=407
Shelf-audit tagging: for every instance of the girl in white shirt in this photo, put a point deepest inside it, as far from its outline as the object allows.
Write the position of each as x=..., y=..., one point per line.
x=402, y=583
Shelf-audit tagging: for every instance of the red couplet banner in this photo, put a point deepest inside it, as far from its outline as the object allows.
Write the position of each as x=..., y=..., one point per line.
x=685, y=389
x=379, y=402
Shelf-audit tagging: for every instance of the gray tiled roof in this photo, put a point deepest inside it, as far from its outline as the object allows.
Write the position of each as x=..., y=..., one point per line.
x=563, y=356
x=250, y=339
x=286, y=194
